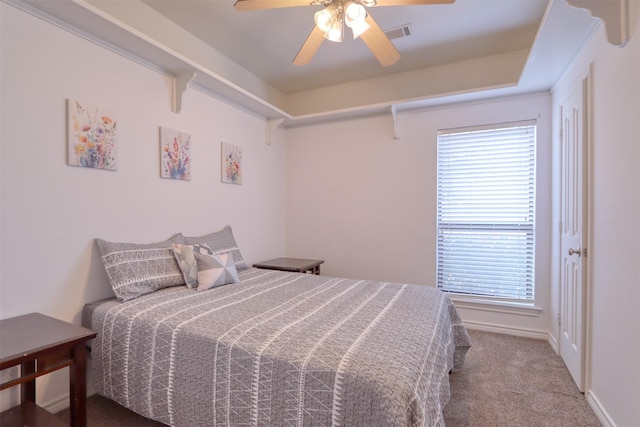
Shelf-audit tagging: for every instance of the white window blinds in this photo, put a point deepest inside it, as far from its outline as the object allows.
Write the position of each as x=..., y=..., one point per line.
x=486, y=207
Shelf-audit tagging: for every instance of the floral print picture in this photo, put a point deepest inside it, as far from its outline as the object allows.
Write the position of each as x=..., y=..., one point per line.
x=231, y=163
x=92, y=135
x=175, y=154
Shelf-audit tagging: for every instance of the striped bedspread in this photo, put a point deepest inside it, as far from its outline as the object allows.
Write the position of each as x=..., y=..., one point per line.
x=281, y=349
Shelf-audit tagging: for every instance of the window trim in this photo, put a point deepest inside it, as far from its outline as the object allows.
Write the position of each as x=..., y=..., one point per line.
x=493, y=302
x=468, y=302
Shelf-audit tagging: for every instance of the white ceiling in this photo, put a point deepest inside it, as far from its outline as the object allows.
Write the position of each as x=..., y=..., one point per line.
x=266, y=41
x=456, y=52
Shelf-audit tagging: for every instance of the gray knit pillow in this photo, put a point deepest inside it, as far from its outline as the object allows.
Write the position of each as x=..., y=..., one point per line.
x=137, y=269
x=220, y=242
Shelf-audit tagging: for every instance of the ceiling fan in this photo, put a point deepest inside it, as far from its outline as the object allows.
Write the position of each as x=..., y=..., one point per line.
x=330, y=24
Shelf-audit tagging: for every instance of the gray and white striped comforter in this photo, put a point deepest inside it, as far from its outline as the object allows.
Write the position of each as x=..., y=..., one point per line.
x=281, y=349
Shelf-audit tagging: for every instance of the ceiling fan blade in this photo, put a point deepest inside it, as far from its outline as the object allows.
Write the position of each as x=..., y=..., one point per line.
x=380, y=44
x=310, y=47
x=244, y=5
x=410, y=2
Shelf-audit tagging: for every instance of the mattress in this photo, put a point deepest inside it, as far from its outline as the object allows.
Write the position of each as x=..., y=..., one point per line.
x=281, y=349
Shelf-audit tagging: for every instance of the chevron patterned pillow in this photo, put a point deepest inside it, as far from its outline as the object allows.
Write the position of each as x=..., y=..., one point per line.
x=215, y=270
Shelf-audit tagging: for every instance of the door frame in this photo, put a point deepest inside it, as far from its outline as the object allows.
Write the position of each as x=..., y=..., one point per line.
x=588, y=224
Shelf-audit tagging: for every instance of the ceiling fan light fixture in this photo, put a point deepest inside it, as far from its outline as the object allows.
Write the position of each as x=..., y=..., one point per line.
x=354, y=12
x=355, y=15
x=326, y=17
x=335, y=32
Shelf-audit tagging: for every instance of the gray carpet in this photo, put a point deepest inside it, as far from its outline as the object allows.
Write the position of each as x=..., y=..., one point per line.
x=506, y=381
x=515, y=381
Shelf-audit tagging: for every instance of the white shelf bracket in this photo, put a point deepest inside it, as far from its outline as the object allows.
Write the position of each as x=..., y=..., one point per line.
x=614, y=14
x=271, y=126
x=394, y=116
x=179, y=85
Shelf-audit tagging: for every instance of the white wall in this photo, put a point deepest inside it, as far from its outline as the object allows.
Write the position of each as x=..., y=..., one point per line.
x=365, y=203
x=613, y=386
x=51, y=212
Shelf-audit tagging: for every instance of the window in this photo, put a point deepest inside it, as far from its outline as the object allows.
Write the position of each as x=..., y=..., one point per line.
x=486, y=207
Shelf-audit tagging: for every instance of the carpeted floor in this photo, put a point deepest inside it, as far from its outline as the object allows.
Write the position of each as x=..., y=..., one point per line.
x=506, y=381
x=515, y=381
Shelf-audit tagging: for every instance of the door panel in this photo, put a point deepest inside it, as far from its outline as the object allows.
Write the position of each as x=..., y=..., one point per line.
x=572, y=283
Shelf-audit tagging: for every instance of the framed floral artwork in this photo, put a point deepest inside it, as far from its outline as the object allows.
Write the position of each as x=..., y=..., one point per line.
x=91, y=137
x=231, y=164
x=175, y=154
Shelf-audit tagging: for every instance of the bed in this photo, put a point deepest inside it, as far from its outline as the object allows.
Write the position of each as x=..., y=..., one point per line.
x=280, y=349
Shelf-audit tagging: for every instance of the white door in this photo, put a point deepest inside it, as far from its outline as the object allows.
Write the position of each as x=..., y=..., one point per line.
x=573, y=238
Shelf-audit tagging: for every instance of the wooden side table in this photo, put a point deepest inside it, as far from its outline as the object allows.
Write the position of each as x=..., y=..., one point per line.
x=297, y=265
x=40, y=344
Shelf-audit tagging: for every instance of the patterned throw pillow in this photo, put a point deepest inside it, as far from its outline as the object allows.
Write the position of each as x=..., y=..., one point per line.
x=137, y=269
x=215, y=270
x=220, y=242
x=187, y=261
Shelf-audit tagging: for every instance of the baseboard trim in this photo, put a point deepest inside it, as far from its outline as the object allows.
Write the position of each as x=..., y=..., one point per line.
x=599, y=410
x=61, y=403
x=58, y=404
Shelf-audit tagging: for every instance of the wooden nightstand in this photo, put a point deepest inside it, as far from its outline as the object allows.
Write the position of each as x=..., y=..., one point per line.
x=40, y=344
x=292, y=264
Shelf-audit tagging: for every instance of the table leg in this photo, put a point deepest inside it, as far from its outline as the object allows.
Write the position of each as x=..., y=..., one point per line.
x=78, y=386
x=28, y=388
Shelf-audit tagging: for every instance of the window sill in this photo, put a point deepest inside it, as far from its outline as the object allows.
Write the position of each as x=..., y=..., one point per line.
x=521, y=309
